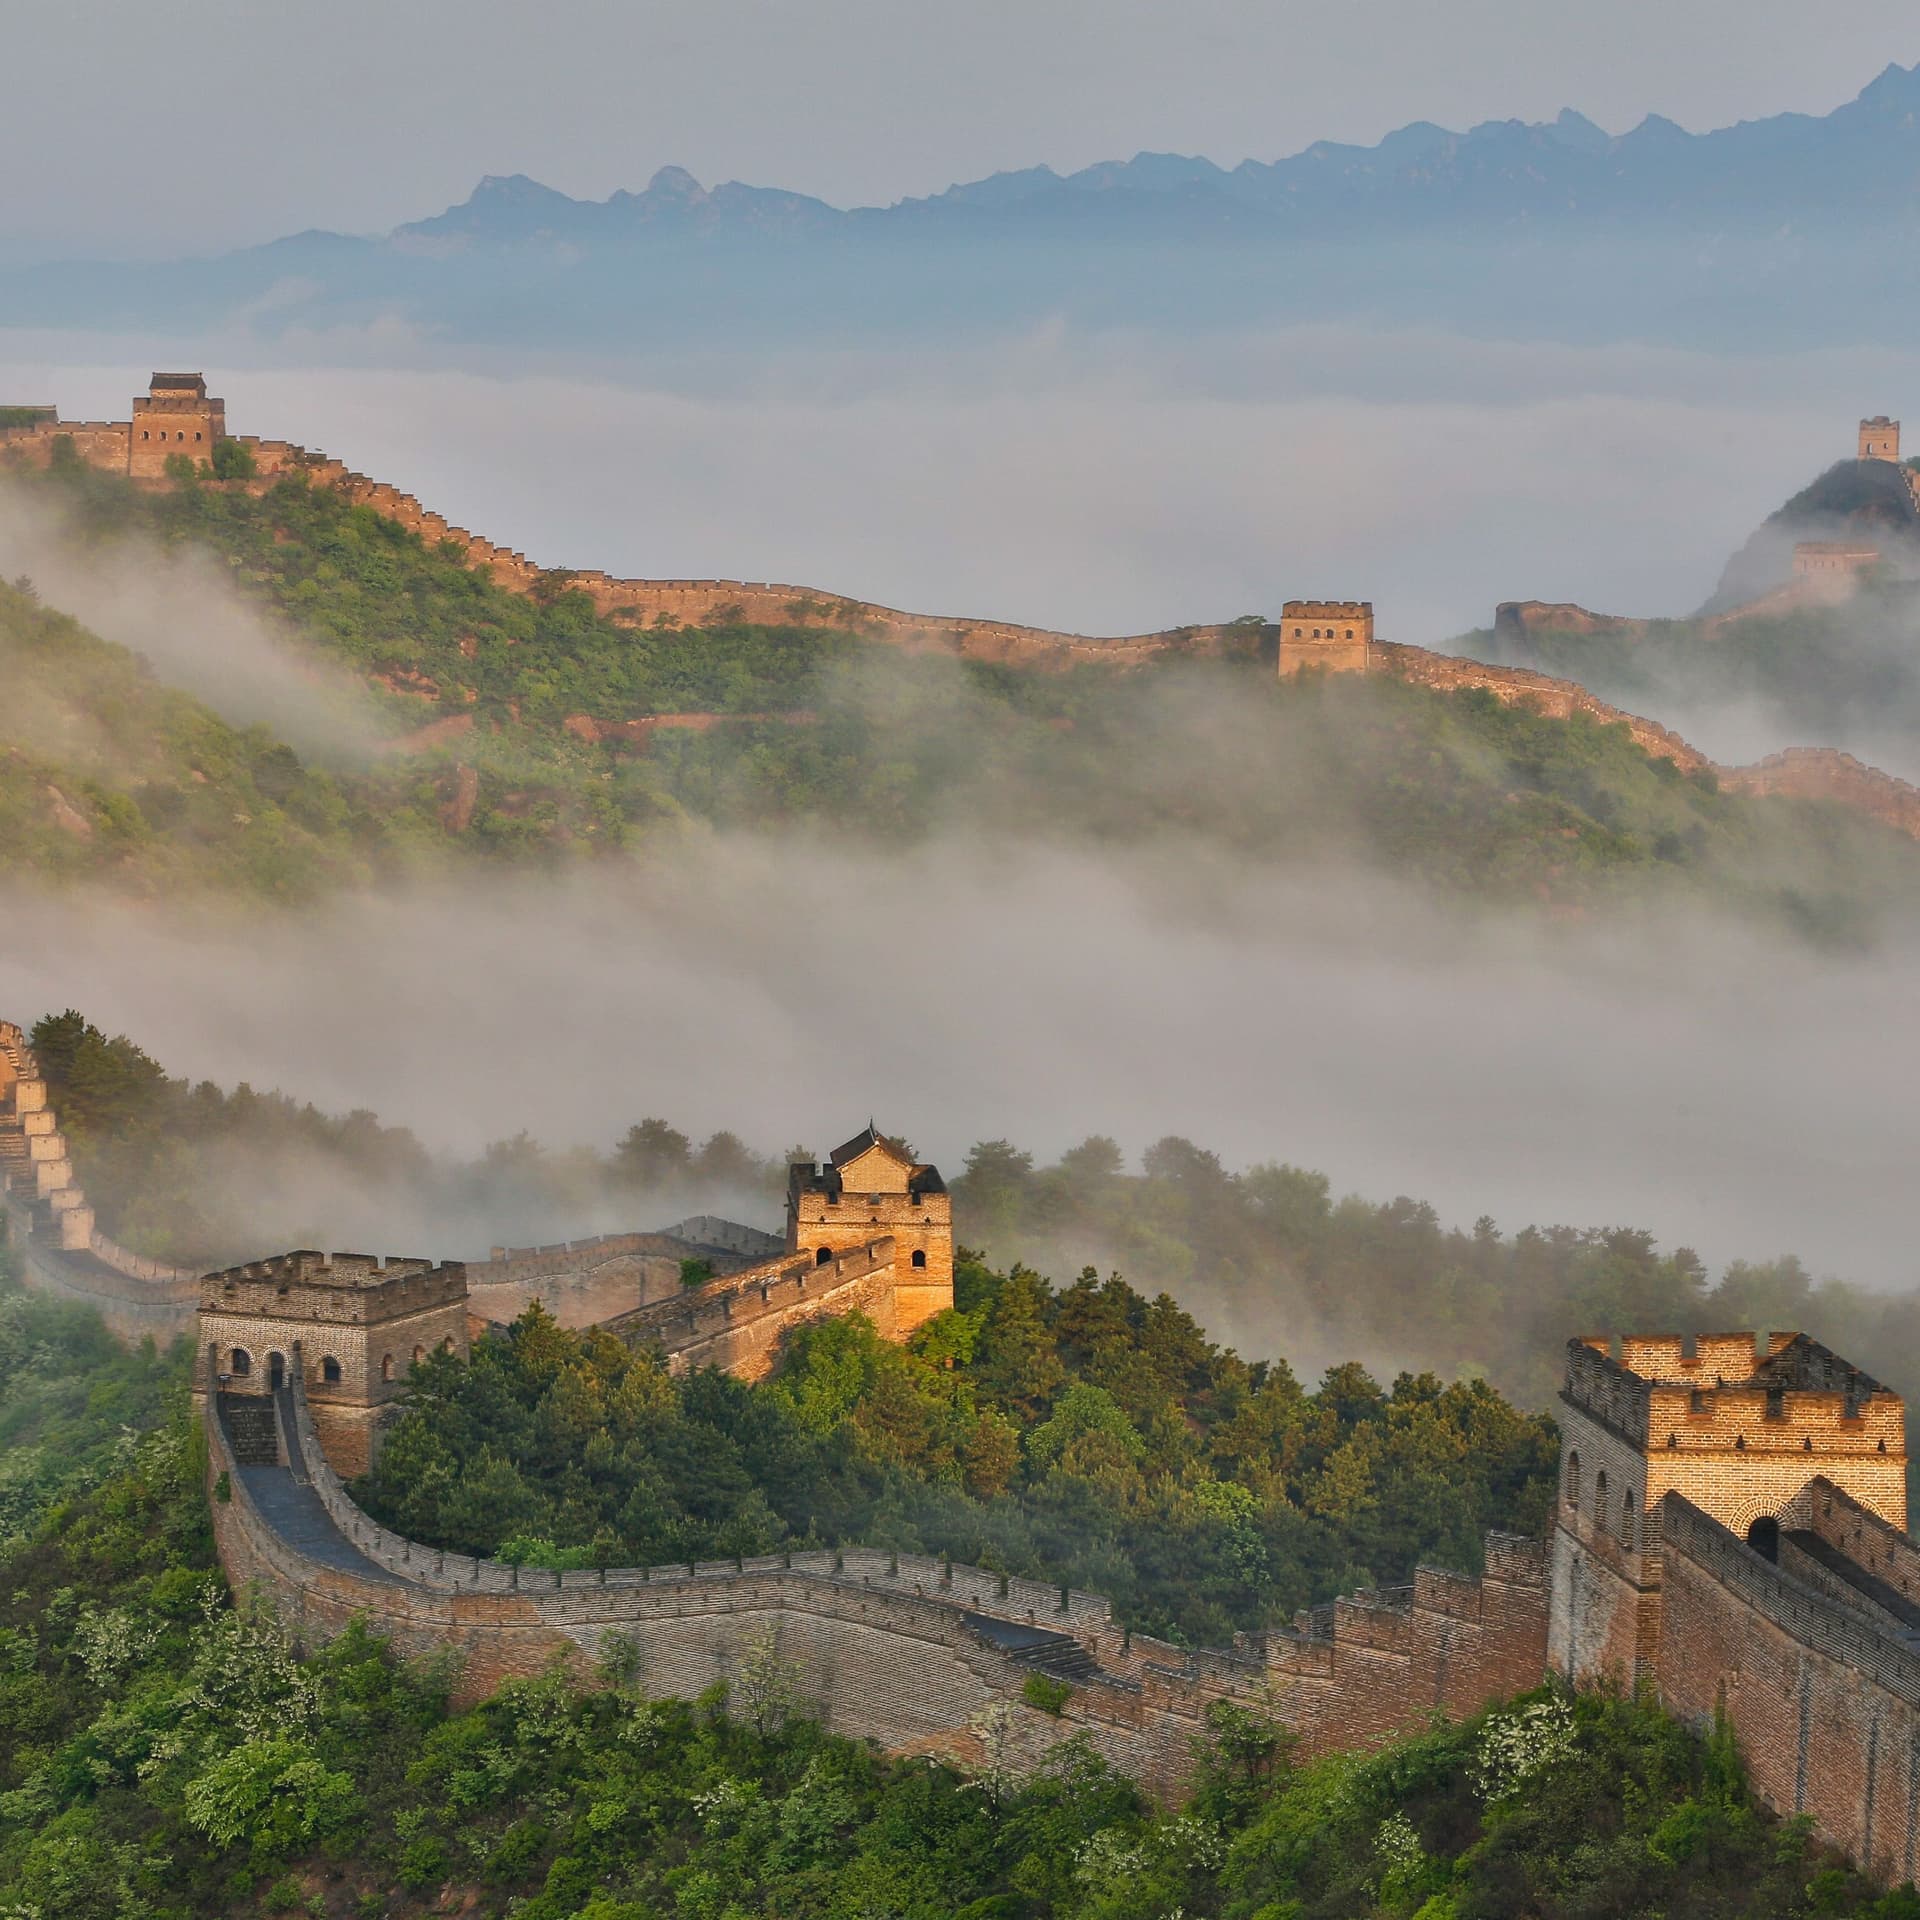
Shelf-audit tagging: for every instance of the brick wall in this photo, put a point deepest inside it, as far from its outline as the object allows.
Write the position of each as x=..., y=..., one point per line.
x=738, y=1321
x=579, y=1282
x=1824, y=1708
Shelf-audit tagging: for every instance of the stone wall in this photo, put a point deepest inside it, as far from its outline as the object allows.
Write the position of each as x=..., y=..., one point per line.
x=1824, y=1708
x=889, y=1646
x=99, y=443
x=1605, y=1614
x=579, y=1282
x=738, y=1321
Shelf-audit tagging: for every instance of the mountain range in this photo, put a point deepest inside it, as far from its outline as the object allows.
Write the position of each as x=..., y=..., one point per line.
x=1861, y=160
x=1735, y=237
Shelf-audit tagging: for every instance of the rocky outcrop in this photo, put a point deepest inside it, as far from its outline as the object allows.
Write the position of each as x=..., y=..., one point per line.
x=1868, y=500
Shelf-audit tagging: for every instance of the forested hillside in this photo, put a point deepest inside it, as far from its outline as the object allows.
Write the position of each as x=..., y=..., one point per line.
x=1085, y=1434
x=1267, y=1256
x=1457, y=793
x=166, y=1754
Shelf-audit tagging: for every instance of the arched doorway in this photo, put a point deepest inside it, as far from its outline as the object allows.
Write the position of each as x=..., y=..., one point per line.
x=276, y=1371
x=1764, y=1538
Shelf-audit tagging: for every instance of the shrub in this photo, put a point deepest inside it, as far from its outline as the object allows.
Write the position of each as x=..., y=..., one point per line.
x=1045, y=1691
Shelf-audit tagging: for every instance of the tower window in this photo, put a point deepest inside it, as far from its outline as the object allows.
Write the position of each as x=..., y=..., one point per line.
x=330, y=1371
x=240, y=1361
x=821, y=1255
x=386, y=1366
x=919, y=1256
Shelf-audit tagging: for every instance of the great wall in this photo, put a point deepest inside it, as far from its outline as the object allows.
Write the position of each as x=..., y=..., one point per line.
x=1730, y=1530
x=177, y=418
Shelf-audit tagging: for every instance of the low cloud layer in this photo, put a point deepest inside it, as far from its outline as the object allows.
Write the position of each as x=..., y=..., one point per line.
x=1742, y=1098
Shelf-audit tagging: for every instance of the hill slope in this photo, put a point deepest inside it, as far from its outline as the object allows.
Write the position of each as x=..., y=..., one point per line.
x=542, y=729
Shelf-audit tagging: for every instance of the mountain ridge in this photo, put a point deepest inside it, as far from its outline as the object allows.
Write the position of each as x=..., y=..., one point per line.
x=1735, y=237
x=1578, y=155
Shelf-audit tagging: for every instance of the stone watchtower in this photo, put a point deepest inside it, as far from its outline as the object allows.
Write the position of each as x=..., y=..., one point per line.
x=353, y=1324
x=175, y=416
x=870, y=1187
x=1738, y=1433
x=1334, y=636
x=1880, y=439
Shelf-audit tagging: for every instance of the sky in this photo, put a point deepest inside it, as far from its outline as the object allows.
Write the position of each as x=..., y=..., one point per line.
x=168, y=126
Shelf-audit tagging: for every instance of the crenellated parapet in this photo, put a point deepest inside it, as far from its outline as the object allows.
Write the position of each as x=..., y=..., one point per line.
x=1720, y=1394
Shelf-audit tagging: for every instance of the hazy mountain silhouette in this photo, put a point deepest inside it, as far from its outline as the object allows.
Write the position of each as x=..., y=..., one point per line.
x=1791, y=230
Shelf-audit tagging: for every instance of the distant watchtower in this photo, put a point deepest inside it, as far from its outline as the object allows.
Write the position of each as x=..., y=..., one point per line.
x=1333, y=636
x=870, y=1187
x=176, y=415
x=356, y=1325
x=1880, y=439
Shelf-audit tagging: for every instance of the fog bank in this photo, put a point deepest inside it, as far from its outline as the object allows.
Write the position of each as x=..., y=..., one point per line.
x=1688, y=1077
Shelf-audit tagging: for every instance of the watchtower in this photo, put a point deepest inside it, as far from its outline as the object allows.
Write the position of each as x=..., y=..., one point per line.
x=869, y=1187
x=176, y=415
x=1737, y=1432
x=1333, y=636
x=355, y=1325
x=1880, y=439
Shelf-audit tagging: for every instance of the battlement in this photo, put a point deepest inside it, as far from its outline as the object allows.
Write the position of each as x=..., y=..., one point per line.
x=1720, y=1390
x=341, y=1288
x=1327, y=610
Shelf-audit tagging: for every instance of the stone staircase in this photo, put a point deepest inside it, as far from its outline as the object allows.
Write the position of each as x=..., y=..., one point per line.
x=252, y=1430
x=16, y=1162
x=1058, y=1654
